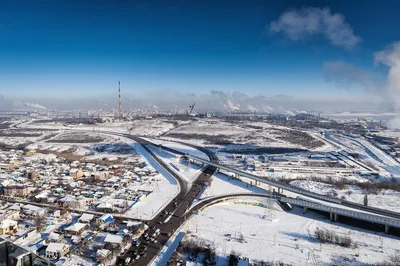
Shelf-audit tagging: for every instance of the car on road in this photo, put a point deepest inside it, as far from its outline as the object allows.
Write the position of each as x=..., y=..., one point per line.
x=127, y=260
x=159, y=222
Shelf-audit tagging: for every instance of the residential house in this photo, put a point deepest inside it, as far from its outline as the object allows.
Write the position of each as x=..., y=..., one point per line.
x=76, y=173
x=105, y=218
x=113, y=241
x=86, y=218
x=102, y=253
x=18, y=190
x=76, y=228
x=34, y=210
x=56, y=250
x=8, y=226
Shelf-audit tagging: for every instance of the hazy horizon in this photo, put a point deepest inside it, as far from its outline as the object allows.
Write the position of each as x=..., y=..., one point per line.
x=227, y=56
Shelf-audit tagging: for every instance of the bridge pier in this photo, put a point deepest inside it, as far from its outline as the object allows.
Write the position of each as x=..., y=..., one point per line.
x=387, y=229
x=305, y=210
x=333, y=217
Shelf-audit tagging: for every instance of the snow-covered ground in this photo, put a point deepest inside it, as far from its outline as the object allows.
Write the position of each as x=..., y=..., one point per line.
x=180, y=147
x=370, y=154
x=274, y=235
x=249, y=134
x=164, y=188
x=142, y=127
x=222, y=184
x=387, y=199
x=177, y=164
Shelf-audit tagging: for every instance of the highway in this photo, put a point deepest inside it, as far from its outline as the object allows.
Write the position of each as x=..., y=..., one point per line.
x=172, y=216
x=296, y=190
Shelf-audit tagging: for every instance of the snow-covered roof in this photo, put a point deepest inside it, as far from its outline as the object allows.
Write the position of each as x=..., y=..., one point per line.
x=132, y=223
x=192, y=263
x=55, y=247
x=30, y=207
x=15, y=206
x=105, y=217
x=86, y=217
x=102, y=252
x=104, y=205
x=54, y=236
x=115, y=239
x=68, y=198
x=113, y=179
x=7, y=223
x=33, y=209
x=76, y=227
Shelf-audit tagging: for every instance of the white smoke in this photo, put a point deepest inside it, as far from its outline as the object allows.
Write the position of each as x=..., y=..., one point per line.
x=230, y=106
x=251, y=108
x=390, y=57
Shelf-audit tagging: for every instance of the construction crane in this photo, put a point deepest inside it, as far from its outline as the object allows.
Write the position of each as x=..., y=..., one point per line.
x=191, y=107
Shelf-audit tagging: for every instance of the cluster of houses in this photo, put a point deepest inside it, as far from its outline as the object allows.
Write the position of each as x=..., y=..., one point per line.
x=59, y=209
x=56, y=234
x=53, y=180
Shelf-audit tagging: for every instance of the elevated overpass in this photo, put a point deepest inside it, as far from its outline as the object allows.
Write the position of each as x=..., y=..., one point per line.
x=334, y=206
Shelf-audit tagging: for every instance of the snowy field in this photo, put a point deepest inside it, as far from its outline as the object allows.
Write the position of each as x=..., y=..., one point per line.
x=222, y=184
x=249, y=134
x=142, y=127
x=387, y=199
x=274, y=235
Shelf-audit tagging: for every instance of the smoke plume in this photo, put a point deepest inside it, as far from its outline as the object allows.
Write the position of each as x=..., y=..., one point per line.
x=390, y=57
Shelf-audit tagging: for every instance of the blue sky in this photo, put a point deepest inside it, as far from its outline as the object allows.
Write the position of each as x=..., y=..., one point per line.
x=80, y=48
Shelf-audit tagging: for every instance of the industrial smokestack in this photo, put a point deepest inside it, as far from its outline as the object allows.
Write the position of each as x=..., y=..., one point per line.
x=119, y=101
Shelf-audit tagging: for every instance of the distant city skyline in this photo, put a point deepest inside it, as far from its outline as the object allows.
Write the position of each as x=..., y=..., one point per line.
x=66, y=53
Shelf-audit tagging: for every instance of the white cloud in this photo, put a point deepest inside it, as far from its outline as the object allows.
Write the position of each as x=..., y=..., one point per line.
x=301, y=23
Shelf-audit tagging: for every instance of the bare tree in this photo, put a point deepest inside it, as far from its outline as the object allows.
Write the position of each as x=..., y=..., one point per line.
x=38, y=222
